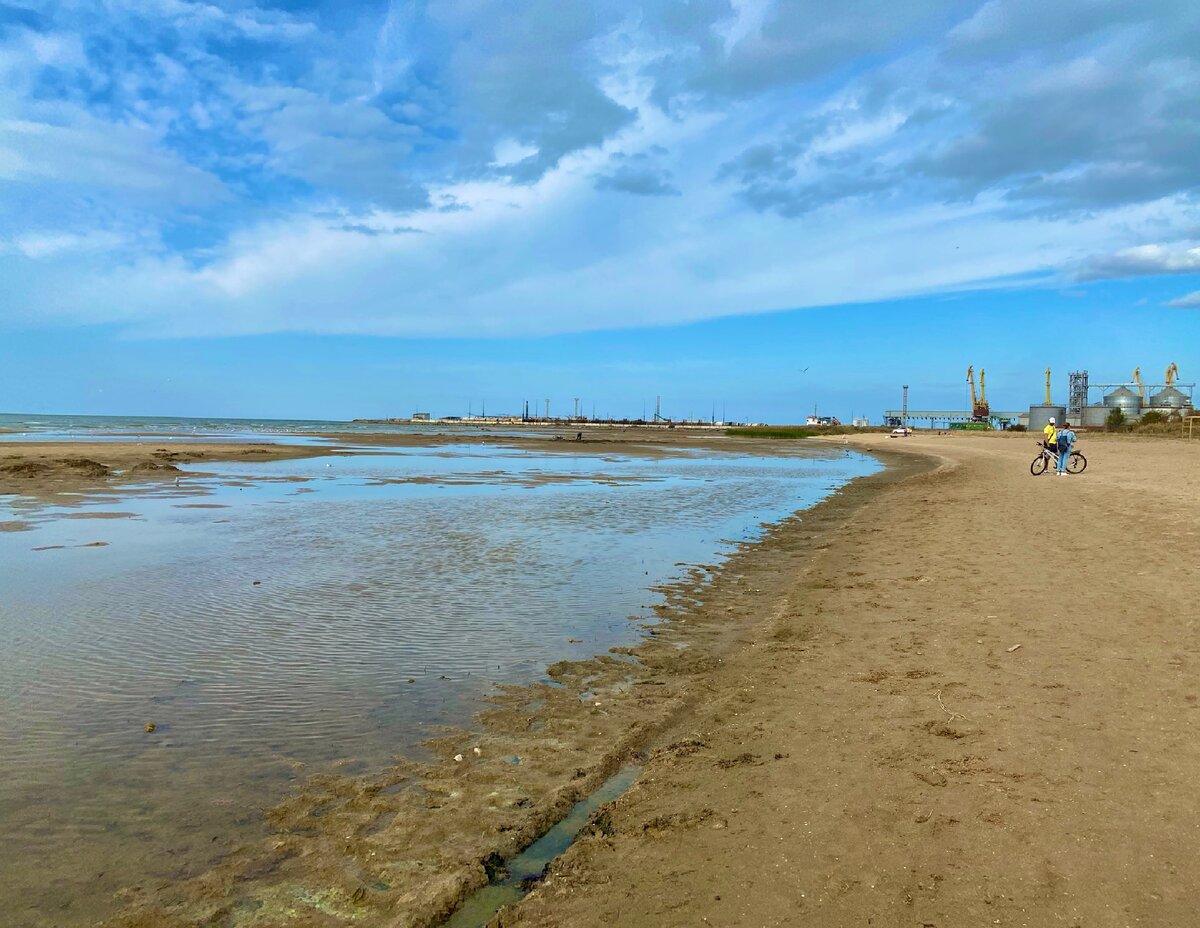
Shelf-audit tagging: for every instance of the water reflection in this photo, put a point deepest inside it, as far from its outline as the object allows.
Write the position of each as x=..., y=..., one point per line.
x=271, y=620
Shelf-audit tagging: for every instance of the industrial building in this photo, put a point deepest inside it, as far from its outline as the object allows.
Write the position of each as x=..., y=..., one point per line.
x=1090, y=404
x=980, y=415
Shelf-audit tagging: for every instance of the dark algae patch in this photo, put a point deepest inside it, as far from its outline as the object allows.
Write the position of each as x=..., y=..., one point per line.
x=510, y=882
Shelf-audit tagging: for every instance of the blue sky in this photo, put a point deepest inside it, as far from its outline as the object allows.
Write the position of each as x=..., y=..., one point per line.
x=338, y=209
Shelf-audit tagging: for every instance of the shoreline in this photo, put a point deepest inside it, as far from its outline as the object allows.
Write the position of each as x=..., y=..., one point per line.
x=55, y=469
x=924, y=728
x=429, y=832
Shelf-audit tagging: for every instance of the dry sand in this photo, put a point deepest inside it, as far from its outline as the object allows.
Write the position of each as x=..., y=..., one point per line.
x=973, y=702
x=835, y=730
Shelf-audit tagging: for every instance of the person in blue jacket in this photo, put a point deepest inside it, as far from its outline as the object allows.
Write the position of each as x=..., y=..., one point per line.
x=1066, y=439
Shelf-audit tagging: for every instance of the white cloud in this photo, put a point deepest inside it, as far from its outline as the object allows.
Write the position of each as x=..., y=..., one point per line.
x=93, y=153
x=512, y=264
x=1143, y=260
x=510, y=151
x=587, y=168
x=55, y=244
x=1189, y=301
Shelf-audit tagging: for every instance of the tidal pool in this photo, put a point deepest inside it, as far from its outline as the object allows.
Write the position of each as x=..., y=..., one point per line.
x=262, y=622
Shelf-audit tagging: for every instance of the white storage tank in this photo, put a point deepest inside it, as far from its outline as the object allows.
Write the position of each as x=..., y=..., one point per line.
x=1040, y=416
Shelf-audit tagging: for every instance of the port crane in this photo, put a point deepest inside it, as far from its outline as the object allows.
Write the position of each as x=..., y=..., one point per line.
x=1137, y=378
x=1172, y=373
x=980, y=410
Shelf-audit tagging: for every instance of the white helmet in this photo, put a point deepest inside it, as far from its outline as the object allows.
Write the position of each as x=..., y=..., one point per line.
x=1052, y=420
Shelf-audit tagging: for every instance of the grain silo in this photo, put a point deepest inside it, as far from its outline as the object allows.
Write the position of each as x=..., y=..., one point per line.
x=1126, y=400
x=1168, y=400
x=1095, y=416
x=1039, y=416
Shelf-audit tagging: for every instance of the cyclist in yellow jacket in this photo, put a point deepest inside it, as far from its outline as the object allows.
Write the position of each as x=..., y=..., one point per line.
x=1050, y=436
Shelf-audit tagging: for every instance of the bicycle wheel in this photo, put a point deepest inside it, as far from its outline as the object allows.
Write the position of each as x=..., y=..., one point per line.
x=1077, y=463
x=1038, y=466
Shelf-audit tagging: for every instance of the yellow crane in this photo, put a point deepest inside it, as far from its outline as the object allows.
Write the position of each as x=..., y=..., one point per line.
x=1137, y=378
x=1048, y=403
x=979, y=406
x=1172, y=373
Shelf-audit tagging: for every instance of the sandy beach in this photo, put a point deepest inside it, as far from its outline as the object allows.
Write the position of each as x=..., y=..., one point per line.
x=951, y=694
x=970, y=699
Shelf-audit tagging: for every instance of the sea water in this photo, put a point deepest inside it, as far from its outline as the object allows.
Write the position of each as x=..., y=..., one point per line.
x=275, y=618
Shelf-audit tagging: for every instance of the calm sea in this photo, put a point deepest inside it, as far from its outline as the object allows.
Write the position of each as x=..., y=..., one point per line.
x=28, y=427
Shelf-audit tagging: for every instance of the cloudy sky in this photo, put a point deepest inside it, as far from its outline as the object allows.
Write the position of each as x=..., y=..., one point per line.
x=339, y=208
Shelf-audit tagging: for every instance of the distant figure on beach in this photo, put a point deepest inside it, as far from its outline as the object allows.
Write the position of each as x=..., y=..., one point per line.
x=1065, y=439
x=1050, y=435
x=579, y=436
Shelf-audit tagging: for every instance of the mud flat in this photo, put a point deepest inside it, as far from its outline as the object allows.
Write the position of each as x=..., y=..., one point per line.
x=406, y=845
x=644, y=441
x=970, y=698
x=46, y=468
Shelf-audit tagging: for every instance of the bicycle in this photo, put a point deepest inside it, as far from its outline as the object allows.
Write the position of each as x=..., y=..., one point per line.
x=1076, y=463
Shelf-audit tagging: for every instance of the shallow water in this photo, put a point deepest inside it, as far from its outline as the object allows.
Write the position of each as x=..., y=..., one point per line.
x=277, y=619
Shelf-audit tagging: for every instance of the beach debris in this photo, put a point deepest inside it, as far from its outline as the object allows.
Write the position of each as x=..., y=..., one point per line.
x=477, y=751
x=150, y=727
x=933, y=777
x=458, y=758
x=1013, y=648
x=256, y=583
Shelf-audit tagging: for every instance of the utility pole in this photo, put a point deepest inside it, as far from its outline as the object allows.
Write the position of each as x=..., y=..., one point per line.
x=904, y=408
x=547, y=409
x=576, y=407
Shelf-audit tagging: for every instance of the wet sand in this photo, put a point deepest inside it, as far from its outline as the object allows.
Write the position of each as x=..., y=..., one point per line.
x=645, y=441
x=46, y=468
x=968, y=697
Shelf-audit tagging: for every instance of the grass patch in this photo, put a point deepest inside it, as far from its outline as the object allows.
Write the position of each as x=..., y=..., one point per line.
x=803, y=431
